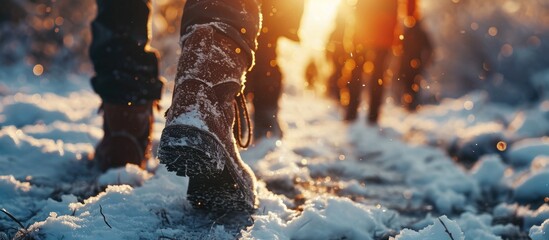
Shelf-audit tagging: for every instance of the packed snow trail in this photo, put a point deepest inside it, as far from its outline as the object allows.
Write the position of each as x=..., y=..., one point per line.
x=325, y=179
x=467, y=168
x=408, y=177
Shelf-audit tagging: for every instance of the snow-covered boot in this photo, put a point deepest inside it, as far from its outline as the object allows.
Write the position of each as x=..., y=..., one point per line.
x=198, y=138
x=127, y=136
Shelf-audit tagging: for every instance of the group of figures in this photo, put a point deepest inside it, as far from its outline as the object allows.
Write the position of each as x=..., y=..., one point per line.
x=369, y=34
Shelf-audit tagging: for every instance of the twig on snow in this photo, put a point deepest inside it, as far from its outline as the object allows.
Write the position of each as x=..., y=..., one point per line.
x=214, y=222
x=13, y=218
x=104, y=218
x=304, y=224
x=164, y=237
x=23, y=230
x=446, y=229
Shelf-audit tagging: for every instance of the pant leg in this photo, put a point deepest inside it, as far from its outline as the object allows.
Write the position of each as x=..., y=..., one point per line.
x=376, y=86
x=355, y=86
x=338, y=57
x=265, y=79
x=409, y=78
x=126, y=71
x=265, y=82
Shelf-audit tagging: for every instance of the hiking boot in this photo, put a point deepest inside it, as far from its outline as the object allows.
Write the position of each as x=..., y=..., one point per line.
x=127, y=136
x=198, y=141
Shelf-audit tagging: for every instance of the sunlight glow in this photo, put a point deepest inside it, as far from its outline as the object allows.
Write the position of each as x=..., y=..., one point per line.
x=317, y=22
x=315, y=29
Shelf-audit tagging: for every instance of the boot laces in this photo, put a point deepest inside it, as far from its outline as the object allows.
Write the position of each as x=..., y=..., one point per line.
x=241, y=111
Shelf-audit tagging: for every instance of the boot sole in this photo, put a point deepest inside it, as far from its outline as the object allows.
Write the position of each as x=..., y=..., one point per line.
x=189, y=152
x=220, y=195
x=215, y=182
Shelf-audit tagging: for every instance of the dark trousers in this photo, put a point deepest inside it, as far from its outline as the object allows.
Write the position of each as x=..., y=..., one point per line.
x=265, y=79
x=281, y=18
x=409, y=79
x=417, y=50
x=127, y=71
x=379, y=59
x=338, y=58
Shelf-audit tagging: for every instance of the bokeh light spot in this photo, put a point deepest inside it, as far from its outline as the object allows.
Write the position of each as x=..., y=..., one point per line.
x=502, y=146
x=38, y=69
x=506, y=50
x=468, y=105
x=493, y=31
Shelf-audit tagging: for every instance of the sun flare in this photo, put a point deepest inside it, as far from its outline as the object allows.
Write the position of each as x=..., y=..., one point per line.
x=317, y=22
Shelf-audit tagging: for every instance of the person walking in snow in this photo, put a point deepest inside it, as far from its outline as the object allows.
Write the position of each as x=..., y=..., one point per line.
x=281, y=18
x=374, y=34
x=127, y=80
x=417, y=51
x=218, y=40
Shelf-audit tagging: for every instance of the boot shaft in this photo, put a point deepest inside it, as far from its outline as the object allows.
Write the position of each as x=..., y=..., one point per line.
x=127, y=136
x=210, y=57
x=210, y=75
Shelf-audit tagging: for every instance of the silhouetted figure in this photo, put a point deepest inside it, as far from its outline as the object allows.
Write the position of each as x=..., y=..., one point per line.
x=127, y=80
x=336, y=50
x=375, y=23
x=416, y=53
x=11, y=14
x=281, y=18
x=311, y=74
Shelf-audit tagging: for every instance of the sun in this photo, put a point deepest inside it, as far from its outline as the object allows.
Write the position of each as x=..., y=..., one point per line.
x=317, y=22
x=316, y=26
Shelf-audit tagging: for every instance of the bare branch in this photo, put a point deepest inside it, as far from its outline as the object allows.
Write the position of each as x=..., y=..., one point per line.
x=104, y=218
x=446, y=229
x=13, y=218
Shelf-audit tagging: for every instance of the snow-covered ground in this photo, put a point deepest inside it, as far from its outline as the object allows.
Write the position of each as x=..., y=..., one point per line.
x=467, y=168
x=325, y=179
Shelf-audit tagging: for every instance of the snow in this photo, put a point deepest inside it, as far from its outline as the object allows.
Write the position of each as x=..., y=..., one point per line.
x=130, y=211
x=470, y=167
x=442, y=228
x=131, y=175
x=540, y=232
x=524, y=152
x=325, y=217
x=488, y=172
x=355, y=181
x=534, y=187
